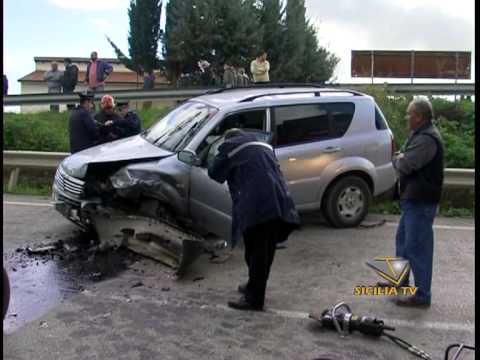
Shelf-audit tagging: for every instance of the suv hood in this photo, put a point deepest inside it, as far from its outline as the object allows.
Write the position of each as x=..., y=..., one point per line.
x=132, y=148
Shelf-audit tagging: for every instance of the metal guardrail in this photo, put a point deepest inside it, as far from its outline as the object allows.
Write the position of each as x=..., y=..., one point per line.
x=17, y=160
x=33, y=159
x=186, y=93
x=461, y=178
x=39, y=99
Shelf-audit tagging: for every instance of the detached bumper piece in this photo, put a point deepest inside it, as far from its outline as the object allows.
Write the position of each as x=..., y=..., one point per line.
x=149, y=237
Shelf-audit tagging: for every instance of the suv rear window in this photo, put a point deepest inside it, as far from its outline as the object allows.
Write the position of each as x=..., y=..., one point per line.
x=380, y=122
x=312, y=122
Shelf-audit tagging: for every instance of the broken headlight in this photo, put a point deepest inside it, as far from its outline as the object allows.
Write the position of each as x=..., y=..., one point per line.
x=122, y=179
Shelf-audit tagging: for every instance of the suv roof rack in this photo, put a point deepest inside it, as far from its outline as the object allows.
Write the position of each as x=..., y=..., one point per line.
x=317, y=92
x=280, y=85
x=267, y=85
x=320, y=86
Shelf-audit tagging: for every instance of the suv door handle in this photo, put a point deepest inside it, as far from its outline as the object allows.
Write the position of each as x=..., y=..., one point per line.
x=332, y=149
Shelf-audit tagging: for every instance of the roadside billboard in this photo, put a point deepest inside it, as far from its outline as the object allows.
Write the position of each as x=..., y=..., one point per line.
x=411, y=64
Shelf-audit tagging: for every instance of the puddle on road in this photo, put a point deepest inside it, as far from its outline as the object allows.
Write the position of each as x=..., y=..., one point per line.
x=39, y=282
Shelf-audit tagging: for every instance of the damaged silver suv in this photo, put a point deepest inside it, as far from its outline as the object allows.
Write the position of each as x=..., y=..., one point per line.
x=152, y=190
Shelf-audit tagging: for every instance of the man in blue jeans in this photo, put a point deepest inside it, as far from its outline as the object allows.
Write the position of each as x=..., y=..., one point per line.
x=419, y=166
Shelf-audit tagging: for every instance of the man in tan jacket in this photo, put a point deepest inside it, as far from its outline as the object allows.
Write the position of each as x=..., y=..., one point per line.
x=260, y=68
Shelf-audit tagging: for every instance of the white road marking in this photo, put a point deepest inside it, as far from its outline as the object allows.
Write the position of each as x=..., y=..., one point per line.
x=392, y=224
x=433, y=325
x=19, y=203
x=443, y=227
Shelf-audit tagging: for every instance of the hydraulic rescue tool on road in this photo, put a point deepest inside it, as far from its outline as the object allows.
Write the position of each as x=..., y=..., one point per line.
x=341, y=319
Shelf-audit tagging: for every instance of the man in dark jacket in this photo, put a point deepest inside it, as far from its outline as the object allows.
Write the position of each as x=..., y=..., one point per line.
x=129, y=123
x=70, y=79
x=263, y=211
x=419, y=166
x=5, y=85
x=83, y=131
x=97, y=73
x=70, y=76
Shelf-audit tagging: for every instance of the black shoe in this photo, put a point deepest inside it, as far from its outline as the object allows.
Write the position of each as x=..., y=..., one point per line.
x=242, y=288
x=243, y=304
x=412, y=301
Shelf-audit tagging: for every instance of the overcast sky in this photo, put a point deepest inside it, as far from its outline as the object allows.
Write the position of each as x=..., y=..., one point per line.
x=345, y=25
x=74, y=28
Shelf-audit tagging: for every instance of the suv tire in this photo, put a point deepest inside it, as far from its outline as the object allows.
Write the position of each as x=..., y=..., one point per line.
x=346, y=202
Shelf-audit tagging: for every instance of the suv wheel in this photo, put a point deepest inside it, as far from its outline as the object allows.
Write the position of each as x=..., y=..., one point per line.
x=346, y=202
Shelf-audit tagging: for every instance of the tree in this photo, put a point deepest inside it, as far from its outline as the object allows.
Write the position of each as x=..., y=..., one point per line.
x=218, y=31
x=318, y=64
x=300, y=58
x=271, y=14
x=143, y=37
x=234, y=32
x=186, y=40
x=237, y=34
x=294, y=40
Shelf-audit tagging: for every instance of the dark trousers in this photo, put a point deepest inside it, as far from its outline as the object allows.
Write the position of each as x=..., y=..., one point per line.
x=260, y=244
x=69, y=91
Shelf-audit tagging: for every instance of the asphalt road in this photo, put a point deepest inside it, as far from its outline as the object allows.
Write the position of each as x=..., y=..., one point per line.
x=133, y=308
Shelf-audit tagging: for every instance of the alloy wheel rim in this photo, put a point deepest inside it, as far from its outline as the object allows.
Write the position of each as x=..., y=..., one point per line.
x=351, y=202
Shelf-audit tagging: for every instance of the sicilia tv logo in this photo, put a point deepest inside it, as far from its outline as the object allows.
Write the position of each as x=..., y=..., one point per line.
x=392, y=269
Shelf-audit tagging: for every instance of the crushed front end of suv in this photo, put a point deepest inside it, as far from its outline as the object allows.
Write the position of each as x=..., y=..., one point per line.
x=151, y=192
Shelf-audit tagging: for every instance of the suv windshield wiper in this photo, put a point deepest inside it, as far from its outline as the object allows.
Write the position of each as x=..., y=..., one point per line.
x=177, y=128
x=187, y=135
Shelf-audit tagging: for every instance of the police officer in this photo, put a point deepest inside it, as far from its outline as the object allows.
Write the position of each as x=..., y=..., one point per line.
x=82, y=127
x=129, y=123
x=263, y=211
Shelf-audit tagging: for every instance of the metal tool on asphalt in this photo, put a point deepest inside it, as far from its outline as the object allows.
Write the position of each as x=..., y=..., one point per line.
x=341, y=319
x=461, y=347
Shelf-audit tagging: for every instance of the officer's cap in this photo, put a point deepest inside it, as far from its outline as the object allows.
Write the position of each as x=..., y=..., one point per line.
x=86, y=95
x=121, y=103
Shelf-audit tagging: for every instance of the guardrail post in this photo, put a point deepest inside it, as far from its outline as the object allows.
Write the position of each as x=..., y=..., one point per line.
x=12, y=181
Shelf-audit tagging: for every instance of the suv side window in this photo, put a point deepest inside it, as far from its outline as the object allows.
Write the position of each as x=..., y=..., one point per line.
x=312, y=122
x=380, y=122
x=244, y=120
x=255, y=119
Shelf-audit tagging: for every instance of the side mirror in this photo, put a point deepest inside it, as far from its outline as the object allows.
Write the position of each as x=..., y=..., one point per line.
x=189, y=157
